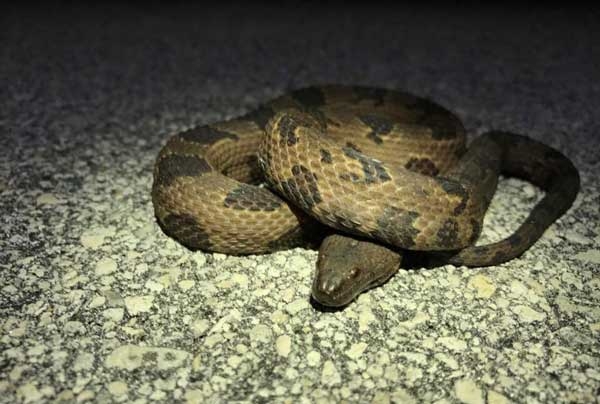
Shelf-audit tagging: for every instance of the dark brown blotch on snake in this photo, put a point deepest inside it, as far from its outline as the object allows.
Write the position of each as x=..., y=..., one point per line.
x=206, y=135
x=405, y=233
x=326, y=156
x=246, y=197
x=422, y=165
x=303, y=186
x=175, y=166
x=373, y=170
x=187, y=230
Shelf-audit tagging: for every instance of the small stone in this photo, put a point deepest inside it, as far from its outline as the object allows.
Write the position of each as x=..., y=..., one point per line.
x=287, y=294
x=29, y=393
x=94, y=238
x=117, y=388
x=283, y=345
x=330, y=375
x=74, y=327
x=483, y=285
x=19, y=329
x=234, y=361
x=381, y=398
x=528, y=190
x=105, y=266
x=84, y=361
x=494, y=397
x=138, y=304
x=447, y=360
x=47, y=199
x=85, y=395
x=453, y=343
x=241, y=279
x=365, y=318
x=356, y=350
x=297, y=305
x=578, y=238
x=197, y=363
x=468, y=392
x=194, y=396
x=419, y=318
x=592, y=256
x=114, y=314
x=16, y=373
x=313, y=358
x=213, y=339
x=97, y=301
x=404, y=397
x=375, y=371
x=300, y=265
x=279, y=317
x=65, y=396
x=154, y=286
x=199, y=327
x=527, y=314
x=186, y=284
x=261, y=333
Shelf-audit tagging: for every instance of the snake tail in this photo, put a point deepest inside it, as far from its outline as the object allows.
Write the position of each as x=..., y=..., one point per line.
x=543, y=166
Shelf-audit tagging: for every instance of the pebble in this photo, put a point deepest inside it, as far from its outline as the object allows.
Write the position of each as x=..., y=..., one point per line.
x=527, y=314
x=313, y=358
x=284, y=345
x=330, y=375
x=84, y=361
x=592, y=256
x=261, y=333
x=297, y=306
x=105, y=266
x=483, y=285
x=356, y=350
x=138, y=304
x=47, y=199
x=468, y=392
x=118, y=388
x=199, y=327
x=115, y=314
x=97, y=301
x=453, y=343
x=95, y=237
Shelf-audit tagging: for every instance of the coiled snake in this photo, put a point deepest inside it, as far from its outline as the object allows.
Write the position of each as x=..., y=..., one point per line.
x=385, y=171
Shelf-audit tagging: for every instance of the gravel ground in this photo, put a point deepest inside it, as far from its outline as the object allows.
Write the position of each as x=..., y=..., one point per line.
x=98, y=305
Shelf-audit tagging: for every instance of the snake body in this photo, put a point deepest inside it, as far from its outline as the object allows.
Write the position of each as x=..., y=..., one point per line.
x=387, y=170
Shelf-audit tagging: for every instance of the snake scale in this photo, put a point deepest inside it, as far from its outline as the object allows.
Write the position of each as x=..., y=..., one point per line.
x=365, y=172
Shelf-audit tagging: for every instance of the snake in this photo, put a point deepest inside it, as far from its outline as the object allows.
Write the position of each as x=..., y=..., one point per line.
x=363, y=174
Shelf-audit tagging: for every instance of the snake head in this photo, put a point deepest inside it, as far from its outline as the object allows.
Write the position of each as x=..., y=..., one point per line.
x=348, y=266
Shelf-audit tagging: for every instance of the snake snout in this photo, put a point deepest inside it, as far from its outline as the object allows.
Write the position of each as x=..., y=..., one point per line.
x=330, y=288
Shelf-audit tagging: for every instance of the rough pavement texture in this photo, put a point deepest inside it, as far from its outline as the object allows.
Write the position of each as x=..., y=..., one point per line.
x=97, y=304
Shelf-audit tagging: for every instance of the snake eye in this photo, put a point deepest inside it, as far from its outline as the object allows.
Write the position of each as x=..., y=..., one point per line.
x=354, y=272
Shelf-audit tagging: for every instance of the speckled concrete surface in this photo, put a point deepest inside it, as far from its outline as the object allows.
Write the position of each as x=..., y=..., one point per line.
x=98, y=305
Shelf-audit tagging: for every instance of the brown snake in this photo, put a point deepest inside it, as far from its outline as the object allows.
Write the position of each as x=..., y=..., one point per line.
x=387, y=170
